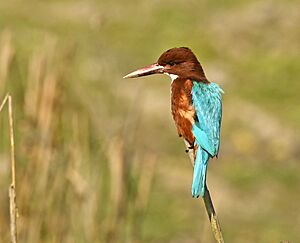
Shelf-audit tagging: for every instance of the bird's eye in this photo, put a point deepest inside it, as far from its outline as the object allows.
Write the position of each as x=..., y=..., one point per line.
x=171, y=63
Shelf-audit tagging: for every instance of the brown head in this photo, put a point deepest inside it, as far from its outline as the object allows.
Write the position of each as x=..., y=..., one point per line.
x=179, y=62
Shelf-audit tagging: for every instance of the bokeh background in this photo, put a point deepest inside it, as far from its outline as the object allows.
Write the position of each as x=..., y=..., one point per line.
x=98, y=157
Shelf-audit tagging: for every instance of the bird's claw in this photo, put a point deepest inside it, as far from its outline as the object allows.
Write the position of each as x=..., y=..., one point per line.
x=188, y=148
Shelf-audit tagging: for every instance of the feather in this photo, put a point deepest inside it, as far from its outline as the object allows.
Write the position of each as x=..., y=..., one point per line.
x=199, y=177
x=202, y=139
x=207, y=100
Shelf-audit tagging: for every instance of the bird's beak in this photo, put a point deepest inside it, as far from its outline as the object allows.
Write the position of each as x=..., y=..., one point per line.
x=147, y=70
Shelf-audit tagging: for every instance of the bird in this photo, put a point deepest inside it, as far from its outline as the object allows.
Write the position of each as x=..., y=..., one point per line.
x=196, y=105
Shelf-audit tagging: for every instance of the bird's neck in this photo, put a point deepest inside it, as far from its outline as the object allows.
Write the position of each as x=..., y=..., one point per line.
x=192, y=76
x=172, y=76
x=194, y=72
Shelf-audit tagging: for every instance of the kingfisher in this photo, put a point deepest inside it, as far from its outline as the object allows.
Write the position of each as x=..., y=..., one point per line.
x=196, y=105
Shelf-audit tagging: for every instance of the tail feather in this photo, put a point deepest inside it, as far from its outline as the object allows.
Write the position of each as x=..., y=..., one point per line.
x=199, y=178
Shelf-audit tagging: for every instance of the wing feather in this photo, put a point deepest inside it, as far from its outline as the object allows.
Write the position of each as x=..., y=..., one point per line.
x=207, y=99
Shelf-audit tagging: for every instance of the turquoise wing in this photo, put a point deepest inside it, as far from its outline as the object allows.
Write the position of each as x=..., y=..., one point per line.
x=207, y=100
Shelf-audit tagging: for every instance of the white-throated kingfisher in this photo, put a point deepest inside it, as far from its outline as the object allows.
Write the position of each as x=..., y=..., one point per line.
x=196, y=105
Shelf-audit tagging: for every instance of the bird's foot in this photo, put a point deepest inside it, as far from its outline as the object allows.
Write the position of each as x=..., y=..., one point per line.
x=188, y=148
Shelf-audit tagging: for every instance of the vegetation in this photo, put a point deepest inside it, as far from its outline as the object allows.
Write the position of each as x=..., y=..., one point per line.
x=97, y=157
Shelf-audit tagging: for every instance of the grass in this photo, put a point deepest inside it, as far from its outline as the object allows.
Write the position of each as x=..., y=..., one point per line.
x=63, y=64
x=13, y=211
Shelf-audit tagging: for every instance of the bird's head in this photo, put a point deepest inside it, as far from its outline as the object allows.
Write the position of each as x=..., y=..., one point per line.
x=176, y=62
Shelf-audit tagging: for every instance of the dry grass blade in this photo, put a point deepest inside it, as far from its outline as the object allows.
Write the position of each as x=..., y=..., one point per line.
x=118, y=196
x=12, y=188
x=3, y=102
x=212, y=215
x=6, y=55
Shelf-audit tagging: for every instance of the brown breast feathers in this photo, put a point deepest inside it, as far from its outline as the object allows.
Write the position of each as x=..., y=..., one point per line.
x=182, y=109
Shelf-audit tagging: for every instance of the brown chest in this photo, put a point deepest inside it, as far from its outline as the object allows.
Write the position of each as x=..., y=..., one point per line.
x=182, y=109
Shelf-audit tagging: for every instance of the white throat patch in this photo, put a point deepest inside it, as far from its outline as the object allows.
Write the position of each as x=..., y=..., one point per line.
x=172, y=76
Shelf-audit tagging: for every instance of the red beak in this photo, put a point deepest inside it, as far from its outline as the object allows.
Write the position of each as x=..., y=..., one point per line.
x=147, y=70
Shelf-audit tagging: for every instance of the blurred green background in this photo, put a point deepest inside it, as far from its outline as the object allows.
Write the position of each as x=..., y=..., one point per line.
x=98, y=157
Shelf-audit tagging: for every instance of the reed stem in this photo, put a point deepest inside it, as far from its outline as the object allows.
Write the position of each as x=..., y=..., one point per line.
x=208, y=203
x=12, y=187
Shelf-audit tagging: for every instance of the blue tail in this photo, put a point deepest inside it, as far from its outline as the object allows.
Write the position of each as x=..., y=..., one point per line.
x=199, y=179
